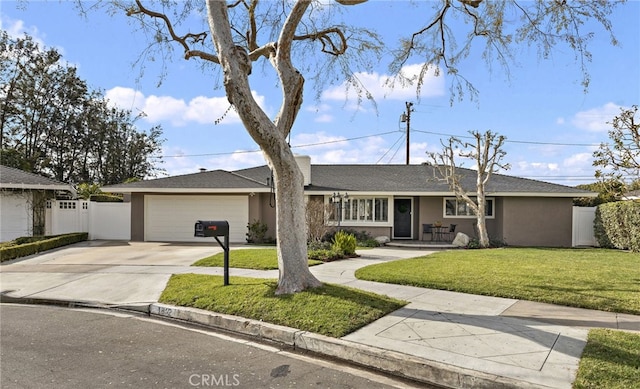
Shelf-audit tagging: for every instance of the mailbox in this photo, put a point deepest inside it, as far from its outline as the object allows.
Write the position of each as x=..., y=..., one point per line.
x=209, y=228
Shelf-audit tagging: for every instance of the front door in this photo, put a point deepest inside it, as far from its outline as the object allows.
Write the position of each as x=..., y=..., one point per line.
x=402, y=218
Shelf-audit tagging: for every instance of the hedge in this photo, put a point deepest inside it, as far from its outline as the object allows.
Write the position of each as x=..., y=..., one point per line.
x=617, y=225
x=34, y=246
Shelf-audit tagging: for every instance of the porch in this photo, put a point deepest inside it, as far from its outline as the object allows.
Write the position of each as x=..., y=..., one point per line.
x=421, y=244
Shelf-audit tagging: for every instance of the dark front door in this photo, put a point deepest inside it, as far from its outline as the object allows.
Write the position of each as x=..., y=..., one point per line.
x=402, y=219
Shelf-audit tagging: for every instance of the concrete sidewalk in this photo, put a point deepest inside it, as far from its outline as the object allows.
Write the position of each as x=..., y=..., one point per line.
x=454, y=339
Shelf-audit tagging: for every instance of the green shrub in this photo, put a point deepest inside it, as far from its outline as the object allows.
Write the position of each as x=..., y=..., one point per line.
x=257, y=232
x=363, y=238
x=315, y=245
x=617, y=225
x=324, y=255
x=34, y=245
x=106, y=198
x=345, y=243
x=474, y=243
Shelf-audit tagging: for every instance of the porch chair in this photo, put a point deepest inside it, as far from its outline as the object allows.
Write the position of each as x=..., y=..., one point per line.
x=427, y=229
x=451, y=232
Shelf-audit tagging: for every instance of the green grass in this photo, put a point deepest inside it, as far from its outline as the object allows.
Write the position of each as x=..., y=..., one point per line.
x=607, y=280
x=329, y=310
x=258, y=259
x=611, y=359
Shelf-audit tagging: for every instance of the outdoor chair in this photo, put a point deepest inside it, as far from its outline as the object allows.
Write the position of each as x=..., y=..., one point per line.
x=451, y=232
x=427, y=229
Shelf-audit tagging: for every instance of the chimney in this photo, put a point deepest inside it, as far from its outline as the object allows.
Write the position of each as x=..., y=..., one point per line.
x=304, y=163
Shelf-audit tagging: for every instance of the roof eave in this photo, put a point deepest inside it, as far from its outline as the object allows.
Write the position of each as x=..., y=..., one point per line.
x=186, y=190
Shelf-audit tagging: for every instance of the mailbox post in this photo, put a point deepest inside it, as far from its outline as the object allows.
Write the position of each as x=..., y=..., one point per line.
x=210, y=228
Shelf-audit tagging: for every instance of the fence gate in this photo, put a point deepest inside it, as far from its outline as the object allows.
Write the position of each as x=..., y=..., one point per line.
x=583, y=218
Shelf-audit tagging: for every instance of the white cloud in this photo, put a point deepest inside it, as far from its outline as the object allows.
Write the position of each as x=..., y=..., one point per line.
x=582, y=161
x=383, y=86
x=596, y=119
x=178, y=112
x=16, y=29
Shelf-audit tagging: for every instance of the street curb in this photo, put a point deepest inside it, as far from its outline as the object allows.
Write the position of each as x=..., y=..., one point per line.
x=139, y=308
x=390, y=362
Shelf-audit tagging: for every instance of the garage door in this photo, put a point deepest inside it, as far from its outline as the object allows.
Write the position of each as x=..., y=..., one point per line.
x=171, y=218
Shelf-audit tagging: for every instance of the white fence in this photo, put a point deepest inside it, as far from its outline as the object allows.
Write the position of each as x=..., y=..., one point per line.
x=109, y=221
x=583, y=226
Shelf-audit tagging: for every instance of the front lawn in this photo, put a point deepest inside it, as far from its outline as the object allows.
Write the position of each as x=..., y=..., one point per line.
x=330, y=310
x=611, y=359
x=606, y=280
x=258, y=259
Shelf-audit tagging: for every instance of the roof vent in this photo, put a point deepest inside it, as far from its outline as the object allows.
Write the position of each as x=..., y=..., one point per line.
x=202, y=170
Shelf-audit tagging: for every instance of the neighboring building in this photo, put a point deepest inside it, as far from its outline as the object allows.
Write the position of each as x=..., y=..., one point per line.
x=385, y=200
x=23, y=201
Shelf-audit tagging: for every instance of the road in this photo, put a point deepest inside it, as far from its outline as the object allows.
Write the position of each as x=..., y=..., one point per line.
x=54, y=347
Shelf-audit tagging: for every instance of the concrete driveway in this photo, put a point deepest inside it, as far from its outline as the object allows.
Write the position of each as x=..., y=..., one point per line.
x=102, y=271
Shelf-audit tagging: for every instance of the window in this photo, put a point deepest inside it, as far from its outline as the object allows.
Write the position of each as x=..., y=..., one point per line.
x=454, y=207
x=67, y=205
x=363, y=209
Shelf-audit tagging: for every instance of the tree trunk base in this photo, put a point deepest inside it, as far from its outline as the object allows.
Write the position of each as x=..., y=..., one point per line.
x=290, y=286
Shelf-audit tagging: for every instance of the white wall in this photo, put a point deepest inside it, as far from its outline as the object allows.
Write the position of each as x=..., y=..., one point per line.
x=583, y=218
x=110, y=221
x=16, y=216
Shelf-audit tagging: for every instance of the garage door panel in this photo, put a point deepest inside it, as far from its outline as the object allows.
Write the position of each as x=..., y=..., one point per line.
x=172, y=218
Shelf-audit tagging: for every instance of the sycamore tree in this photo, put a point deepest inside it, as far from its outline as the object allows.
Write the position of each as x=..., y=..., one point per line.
x=486, y=153
x=302, y=39
x=619, y=160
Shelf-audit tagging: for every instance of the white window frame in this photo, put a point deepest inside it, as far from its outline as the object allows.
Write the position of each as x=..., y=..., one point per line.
x=364, y=212
x=470, y=215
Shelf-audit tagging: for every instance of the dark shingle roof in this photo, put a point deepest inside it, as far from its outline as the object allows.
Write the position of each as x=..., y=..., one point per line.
x=407, y=179
x=214, y=179
x=411, y=178
x=13, y=178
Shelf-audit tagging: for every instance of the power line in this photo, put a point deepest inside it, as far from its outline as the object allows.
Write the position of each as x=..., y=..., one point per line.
x=515, y=141
x=293, y=147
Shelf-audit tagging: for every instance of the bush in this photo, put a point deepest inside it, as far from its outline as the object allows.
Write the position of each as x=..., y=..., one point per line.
x=316, y=245
x=363, y=238
x=257, y=232
x=474, y=243
x=325, y=255
x=34, y=245
x=617, y=225
x=345, y=243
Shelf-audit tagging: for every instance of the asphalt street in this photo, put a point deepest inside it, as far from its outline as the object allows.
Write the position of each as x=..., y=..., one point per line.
x=54, y=347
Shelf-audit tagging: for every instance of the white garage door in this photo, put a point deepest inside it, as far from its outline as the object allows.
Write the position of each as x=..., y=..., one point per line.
x=172, y=218
x=16, y=216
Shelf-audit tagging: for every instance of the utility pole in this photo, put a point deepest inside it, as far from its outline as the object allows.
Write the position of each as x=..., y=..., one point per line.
x=406, y=117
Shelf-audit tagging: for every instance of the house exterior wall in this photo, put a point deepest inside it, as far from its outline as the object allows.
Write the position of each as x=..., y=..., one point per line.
x=431, y=209
x=137, y=217
x=537, y=221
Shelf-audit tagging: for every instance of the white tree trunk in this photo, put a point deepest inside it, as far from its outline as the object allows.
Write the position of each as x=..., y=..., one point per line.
x=483, y=236
x=291, y=230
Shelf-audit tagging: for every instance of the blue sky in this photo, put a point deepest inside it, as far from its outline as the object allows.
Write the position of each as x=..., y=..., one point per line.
x=551, y=125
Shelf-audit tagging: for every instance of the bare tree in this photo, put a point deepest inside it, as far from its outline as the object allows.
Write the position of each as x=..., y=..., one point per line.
x=486, y=152
x=245, y=32
x=619, y=160
x=318, y=216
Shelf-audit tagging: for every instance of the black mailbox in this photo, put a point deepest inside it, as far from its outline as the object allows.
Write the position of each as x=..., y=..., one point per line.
x=209, y=228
